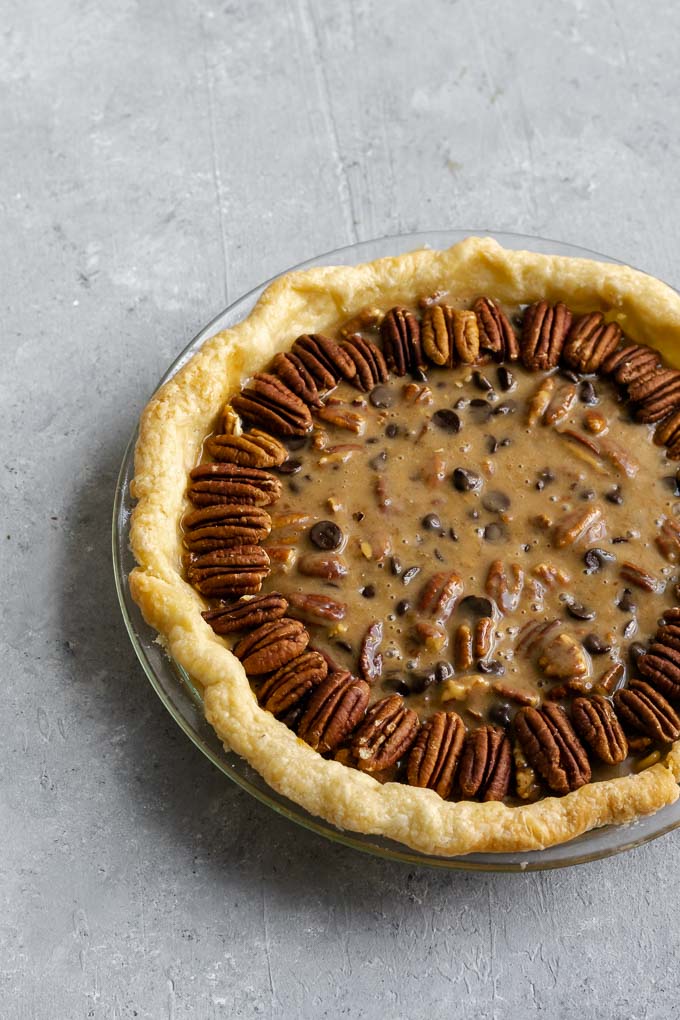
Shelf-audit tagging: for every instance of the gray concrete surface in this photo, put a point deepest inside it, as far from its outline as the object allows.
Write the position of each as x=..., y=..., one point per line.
x=159, y=158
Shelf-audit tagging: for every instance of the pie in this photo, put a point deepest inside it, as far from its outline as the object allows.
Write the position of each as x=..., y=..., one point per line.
x=413, y=526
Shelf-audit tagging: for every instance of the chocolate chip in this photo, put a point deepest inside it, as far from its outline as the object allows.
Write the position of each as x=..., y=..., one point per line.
x=594, y=644
x=636, y=651
x=431, y=522
x=480, y=411
x=409, y=574
x=626, y=603
x=447, y=420
x=421, y=681
x=506, y=379
x=381, y=396
x=379, y=462
x=507, y=407
x=443, y=670
x=495, y=532
x=495, y=501
x=453, y=535
x=491, y=444
x=461, y=404
x=326, y=535
x=545, y=477
x=290, y=467
x=368, y=591
x=391, y=430
x=673, y=483
x=359, y=515
x=579, y=611
x=630, y=628
x=506, y=442
x=614, y=495
x=618, y=539
x=475, y=606
x=587, y=494
x=466, y=481
x=587, y=393
x=395, y=566
x=481, y=381
x=595, y=559
x=402, y=607
x=501, y=714
x=397, y=684
x=492, y=666
x=438, y=555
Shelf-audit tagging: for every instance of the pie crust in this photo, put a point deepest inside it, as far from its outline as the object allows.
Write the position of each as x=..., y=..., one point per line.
x=173, y=428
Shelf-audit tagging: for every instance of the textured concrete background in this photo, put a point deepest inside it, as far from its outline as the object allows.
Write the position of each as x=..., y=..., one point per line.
x=159, y=158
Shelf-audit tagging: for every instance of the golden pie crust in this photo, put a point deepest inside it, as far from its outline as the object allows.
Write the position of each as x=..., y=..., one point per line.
x=173, y=428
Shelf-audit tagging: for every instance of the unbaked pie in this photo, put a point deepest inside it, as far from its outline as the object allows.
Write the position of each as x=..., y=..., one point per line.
x=414, y=528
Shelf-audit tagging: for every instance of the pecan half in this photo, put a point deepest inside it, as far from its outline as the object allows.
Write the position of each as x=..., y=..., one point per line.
x=667, y=432
x=633, y=574
x=271, y=646
x=437, y=335
x=370, y=659
x=253, y=449
x=590, y=342
x=631, y=363
x=247, y=613
x=333, y=711
x=563, y=657
x=230, y=483
x=316, y=608
x=560, y=405
x=540, y=401
x=342, y=418
x=369, y=361
x=267, y=401
x=466, y=336
x=504, y=585
x=224, y=525
x=327, y=566
x=385, y=735
x=640, y=707
x=552, y=747
x=596, y=723
x=484, y=629
x=440, y=595
x=544, y=331
x=578, y=525
x=462, y=647
x=608, y=680
x=292, y=682
x=324, y=359
x=435, y=754
x=400, y=333
x=486, y=765
x=661, y=664
x=655, y=396
x=292, y=371
x=229, y=573
x=495, y=332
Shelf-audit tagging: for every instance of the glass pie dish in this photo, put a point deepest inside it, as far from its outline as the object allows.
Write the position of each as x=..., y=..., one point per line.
x=183, y=698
